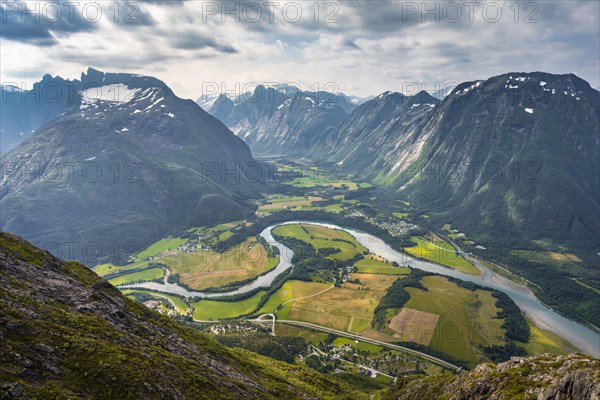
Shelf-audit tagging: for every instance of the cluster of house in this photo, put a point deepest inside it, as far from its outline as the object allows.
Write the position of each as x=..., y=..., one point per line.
x=337, y=352
x=347, y=271
x=192, y=246
x=219, y=329
x=152, y=304
x=400, y=227
x=358, y=214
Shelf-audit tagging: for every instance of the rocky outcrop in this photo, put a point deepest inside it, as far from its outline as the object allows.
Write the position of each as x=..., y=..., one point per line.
x=547, y=377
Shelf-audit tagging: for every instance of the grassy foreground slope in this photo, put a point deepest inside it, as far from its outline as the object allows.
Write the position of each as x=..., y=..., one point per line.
x=67, y=333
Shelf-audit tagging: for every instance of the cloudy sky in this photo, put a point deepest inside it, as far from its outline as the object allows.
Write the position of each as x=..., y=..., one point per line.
x=357, y=47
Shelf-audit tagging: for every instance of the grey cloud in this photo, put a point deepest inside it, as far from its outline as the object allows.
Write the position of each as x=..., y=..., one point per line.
x=20, y=25
x=350, y=43
x=116, y=63
x=195, y=41
x=167, y=3
x=133, y=15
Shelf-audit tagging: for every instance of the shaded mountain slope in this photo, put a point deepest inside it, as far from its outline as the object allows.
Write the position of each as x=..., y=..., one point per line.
x=517, y=154
x=128, y=163
x=24, y=111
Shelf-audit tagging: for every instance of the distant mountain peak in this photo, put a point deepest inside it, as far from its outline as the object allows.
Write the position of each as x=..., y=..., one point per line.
x=92, y=74
x=385, y=96
x=281, y=118
x=223, y=98
x=423, y=97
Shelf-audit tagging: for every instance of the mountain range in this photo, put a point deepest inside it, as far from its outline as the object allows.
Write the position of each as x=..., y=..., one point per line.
x=282, y=120
x=124, y=164
x=517, y=152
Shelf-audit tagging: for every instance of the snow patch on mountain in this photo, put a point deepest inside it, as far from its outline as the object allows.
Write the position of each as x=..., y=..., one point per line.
x=117, y=93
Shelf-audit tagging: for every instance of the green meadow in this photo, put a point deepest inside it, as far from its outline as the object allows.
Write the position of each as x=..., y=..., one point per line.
x=433, y=248
x=321, y=238
x=146, y=275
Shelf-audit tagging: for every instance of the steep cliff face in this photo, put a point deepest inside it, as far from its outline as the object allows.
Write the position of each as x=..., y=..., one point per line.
x=67, y=333
x=572, y=377
x=380, y=132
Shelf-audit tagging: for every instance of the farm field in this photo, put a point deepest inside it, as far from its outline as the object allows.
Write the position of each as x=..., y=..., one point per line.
x=314, y=180
x=401, y=215
x=412, y=325
x=107, y=269
x=547, y=256
x=321, y=238
x=206, y=310
x=215, y=234
x=146, y=275
x=336, y=307
x=278, y=202
x=434, y=249
x=361, y=346
x=372, y=264
x=203, y=269
x=224, y=236
x=467, y=319
x=330, y=207
x=291, y=290
x=161, y=246
x=359, y=325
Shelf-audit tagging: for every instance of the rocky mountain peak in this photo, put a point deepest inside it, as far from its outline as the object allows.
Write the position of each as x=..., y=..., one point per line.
x=97, y=79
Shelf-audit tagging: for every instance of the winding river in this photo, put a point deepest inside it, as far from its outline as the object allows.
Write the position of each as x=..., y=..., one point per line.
x=544, y=317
